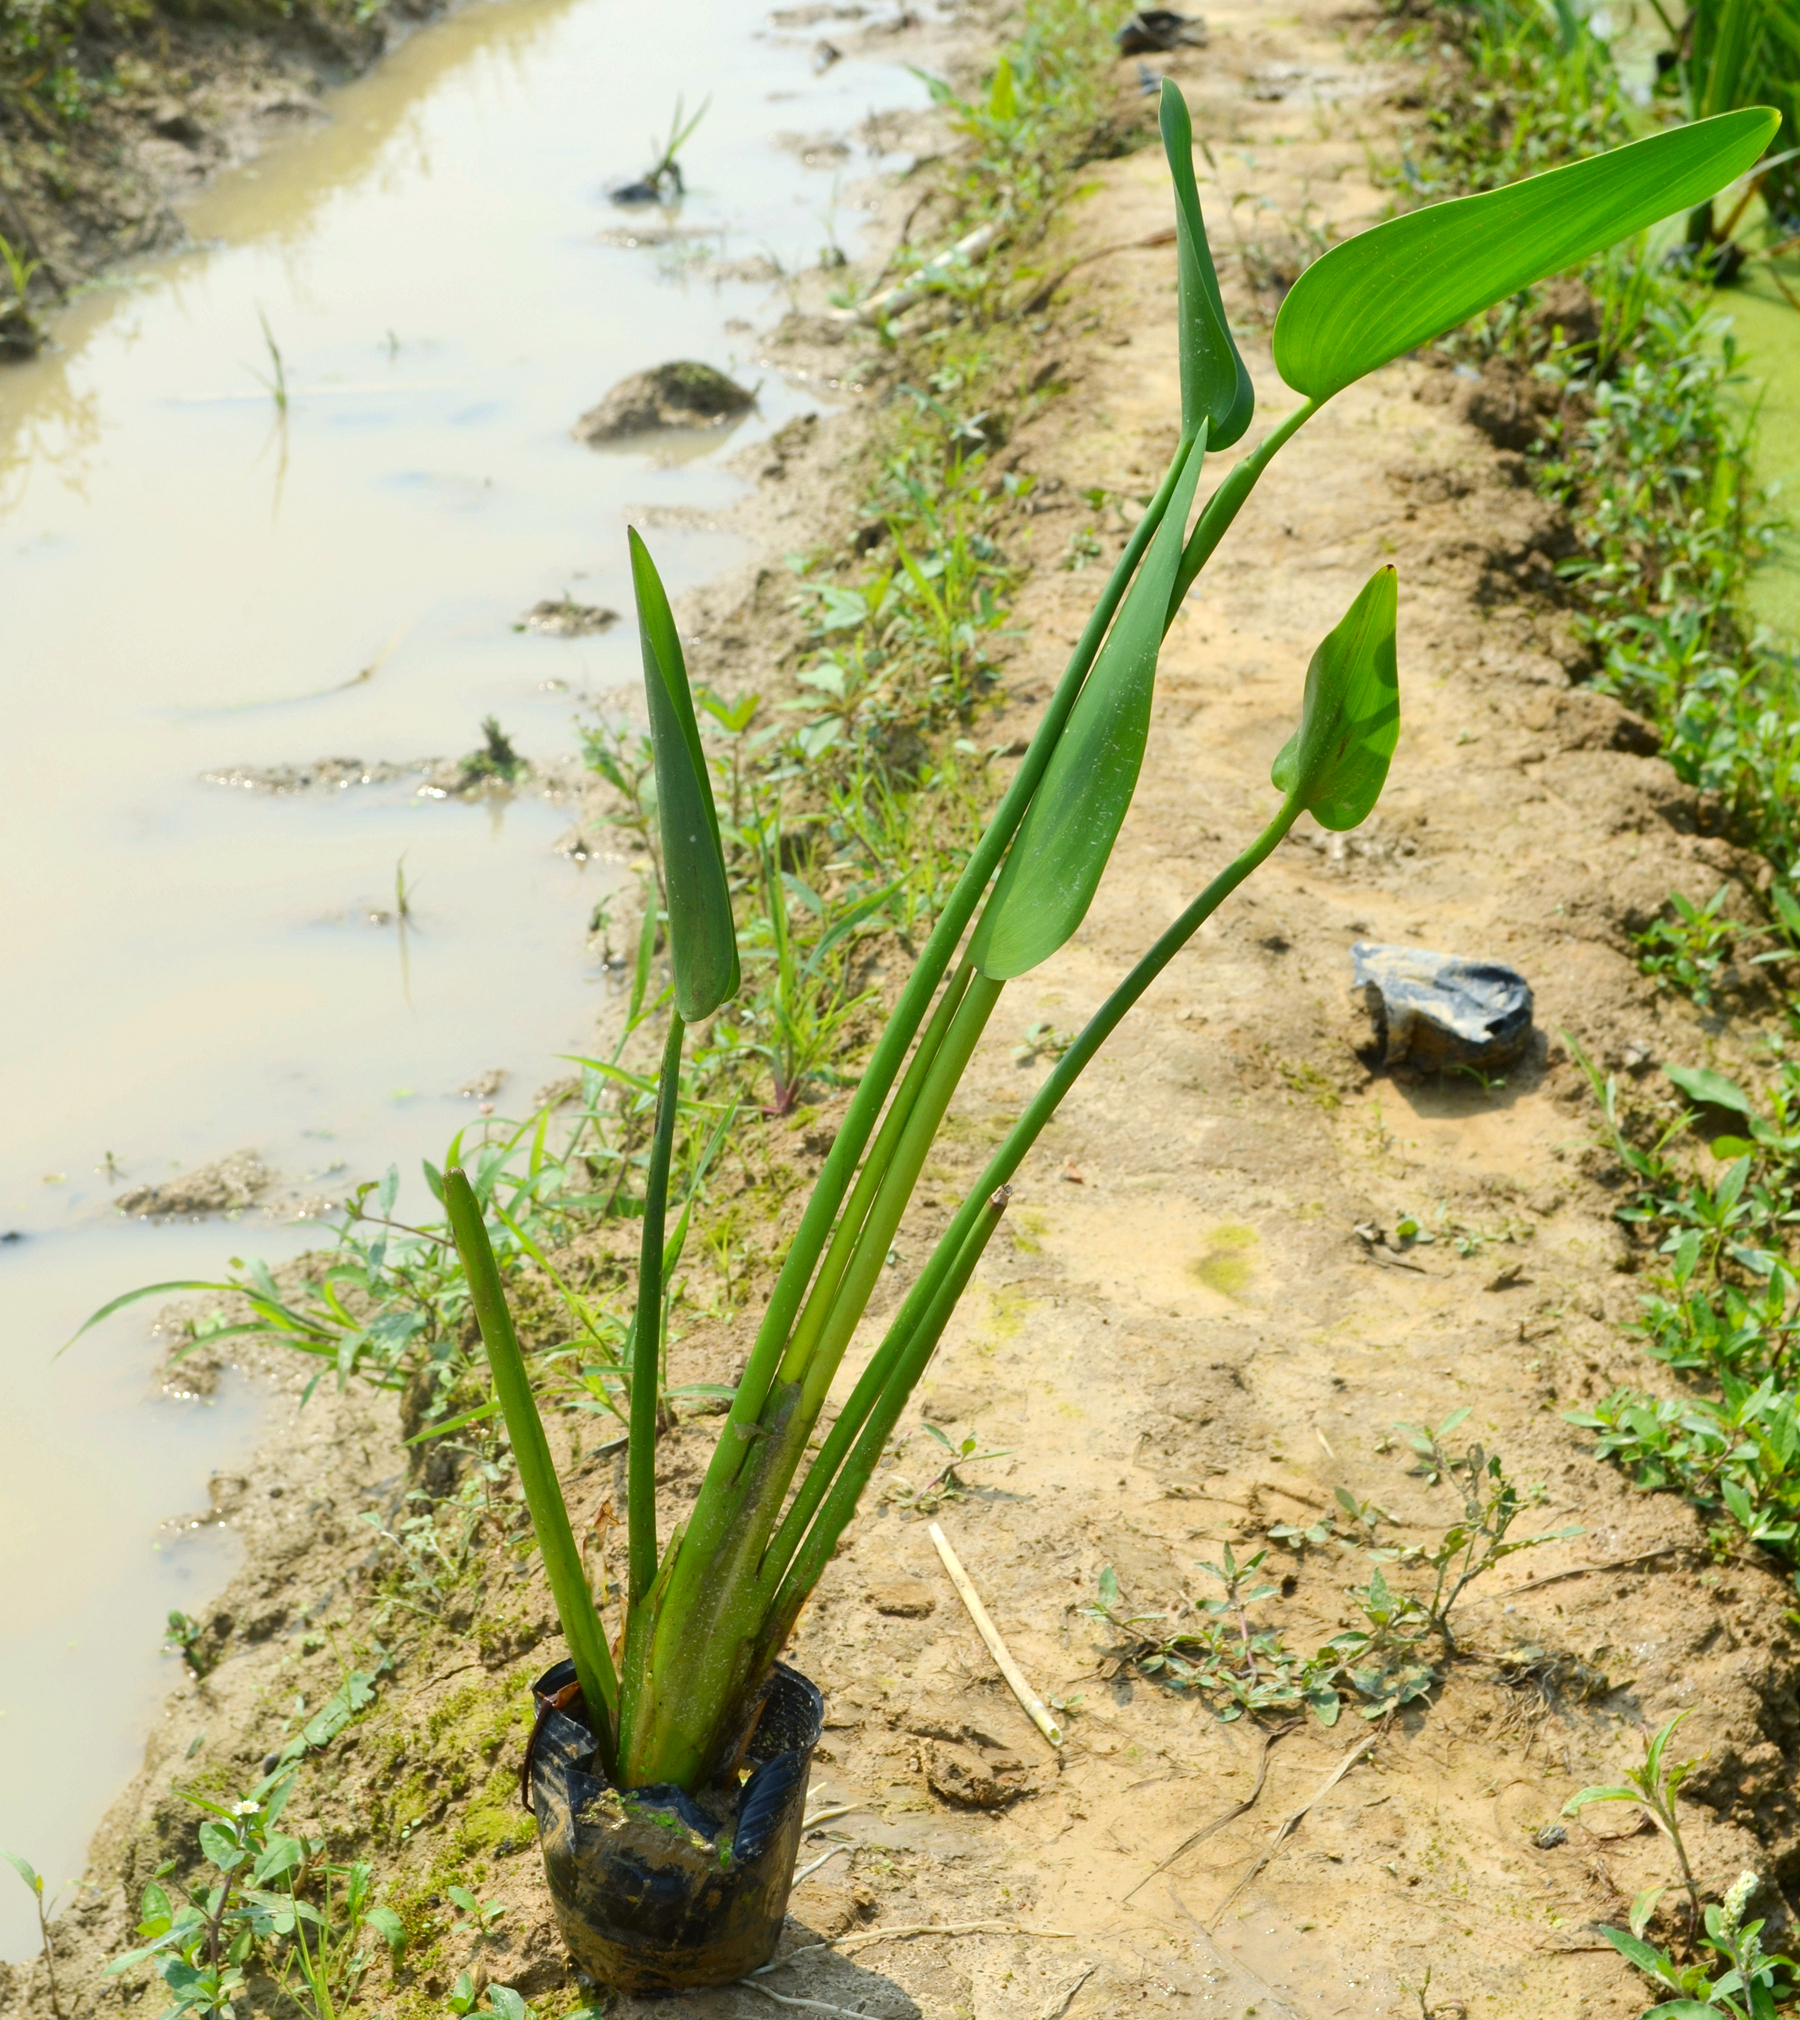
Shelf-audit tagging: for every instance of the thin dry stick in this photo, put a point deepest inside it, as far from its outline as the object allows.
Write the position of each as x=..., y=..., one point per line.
x=1064, y=2000
x=787, y=1999
x=825, y=1816
x=1231, y=1815
x=1041, y=300
x=909, y=1929
x=1291, y=1822
x=1035, y=1708
x=806, y=1871
x=1588, y=1570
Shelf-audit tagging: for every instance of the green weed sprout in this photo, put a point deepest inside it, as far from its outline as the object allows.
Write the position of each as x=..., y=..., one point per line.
x=665, y=171
x=707, y=1614
x=1745, y=1988
x=248, y=1910
x=35, y=1881
x=1654, y=1785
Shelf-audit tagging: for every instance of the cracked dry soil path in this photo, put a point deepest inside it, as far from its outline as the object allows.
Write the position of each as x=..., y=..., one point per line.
x=1178, y=1339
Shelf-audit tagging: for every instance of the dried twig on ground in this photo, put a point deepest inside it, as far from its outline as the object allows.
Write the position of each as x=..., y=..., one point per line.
x=1231, y=1815
x=1291, y=1822
x=1035, y=1708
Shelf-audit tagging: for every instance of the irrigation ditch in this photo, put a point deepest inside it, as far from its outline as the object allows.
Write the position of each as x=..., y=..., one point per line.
x=1255, y=1293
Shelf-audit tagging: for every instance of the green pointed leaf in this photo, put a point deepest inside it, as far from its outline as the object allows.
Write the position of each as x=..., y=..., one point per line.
x=1388, y=290
x=702, y=939
x=1638, y=1952
x=24, y=1871
x=1215, y=386
x=1053, y=868
x=1700, y=1083
x=1336, y=762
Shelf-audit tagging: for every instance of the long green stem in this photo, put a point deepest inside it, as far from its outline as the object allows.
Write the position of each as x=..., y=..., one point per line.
x=1227, y=501
x=897, y=1179
x=712, y=1606
x=537, y=1475
x=646, y=1350
x=914, y=1357
x=856, y=1214
x=882, y=1377
x=714, y=1507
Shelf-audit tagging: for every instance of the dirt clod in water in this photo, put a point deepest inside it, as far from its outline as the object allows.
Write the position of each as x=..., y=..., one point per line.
x=680, y=395
x=223, y=1186
x=563, y=617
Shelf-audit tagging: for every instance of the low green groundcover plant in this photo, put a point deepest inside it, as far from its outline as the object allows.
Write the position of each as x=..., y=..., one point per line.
x=707, y=1613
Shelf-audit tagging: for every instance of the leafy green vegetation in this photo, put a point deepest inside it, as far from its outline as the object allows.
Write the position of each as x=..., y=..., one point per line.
x=1753, y=1979
x=1644, y=441
x=705, y=1620
x=846, y=827
x=1643, y=438
x=1401, y=1645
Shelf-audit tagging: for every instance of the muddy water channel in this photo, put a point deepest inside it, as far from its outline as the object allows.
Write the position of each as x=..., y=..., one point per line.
x=198, y=586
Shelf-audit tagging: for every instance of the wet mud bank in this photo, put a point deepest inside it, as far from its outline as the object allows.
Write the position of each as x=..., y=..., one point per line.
x=1200, y=1325
x=109, y=117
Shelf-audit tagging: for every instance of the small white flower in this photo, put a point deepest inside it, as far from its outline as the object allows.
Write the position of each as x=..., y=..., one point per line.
x=248, y=1809
x=1732, y=1913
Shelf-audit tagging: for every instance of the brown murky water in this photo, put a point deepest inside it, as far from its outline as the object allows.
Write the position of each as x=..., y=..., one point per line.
x=191, y=580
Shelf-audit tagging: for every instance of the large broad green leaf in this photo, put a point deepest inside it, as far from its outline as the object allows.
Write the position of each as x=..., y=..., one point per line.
x=702, y=939
x=1390, y=289
x=1053, y=867
x=1336, y=762
x=1215, y=387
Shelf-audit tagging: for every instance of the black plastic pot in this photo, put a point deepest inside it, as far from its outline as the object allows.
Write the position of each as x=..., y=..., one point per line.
x=657, y=1890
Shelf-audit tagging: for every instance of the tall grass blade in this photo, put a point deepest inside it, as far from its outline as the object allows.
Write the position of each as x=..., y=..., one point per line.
x=531, y=1453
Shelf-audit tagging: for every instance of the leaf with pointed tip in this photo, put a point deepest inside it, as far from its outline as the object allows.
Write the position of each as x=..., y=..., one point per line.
x=1215, y=386
x=24, y=1871
x=1336, y=762
x=702, y=938
x=1701, y=1083
x=1399, y=285
x=1054, y=865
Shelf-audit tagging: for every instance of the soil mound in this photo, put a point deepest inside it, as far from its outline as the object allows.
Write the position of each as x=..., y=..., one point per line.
x=679, y=395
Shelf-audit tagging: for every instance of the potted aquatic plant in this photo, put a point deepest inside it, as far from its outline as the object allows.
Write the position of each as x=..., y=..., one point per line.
x=669, y=1770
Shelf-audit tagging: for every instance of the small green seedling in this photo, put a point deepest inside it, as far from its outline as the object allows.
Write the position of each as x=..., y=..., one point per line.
x=276, y=379
x=1653, y=1785
x=485, y=1915
x=1747, y=1987
x=946, y=1484
x=35, y=1882
x=255, y=1909
x=496, y=760
x=185, y=1638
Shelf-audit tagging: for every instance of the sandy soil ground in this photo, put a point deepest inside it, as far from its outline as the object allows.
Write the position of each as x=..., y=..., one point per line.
x=1180, y=1339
